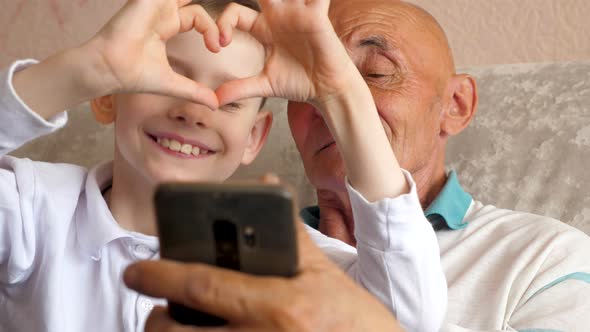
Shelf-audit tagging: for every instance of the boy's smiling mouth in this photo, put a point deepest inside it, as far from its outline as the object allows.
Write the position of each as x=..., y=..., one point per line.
x=178, y=146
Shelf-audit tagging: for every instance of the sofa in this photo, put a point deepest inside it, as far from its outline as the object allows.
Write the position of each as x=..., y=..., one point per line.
x=527, y=149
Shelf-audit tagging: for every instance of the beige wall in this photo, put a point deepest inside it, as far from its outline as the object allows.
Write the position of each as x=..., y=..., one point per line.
x=480, y=31
x=514, y=31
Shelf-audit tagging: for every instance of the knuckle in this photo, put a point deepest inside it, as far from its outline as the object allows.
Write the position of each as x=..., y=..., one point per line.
x=294, y=314
x=199, y=288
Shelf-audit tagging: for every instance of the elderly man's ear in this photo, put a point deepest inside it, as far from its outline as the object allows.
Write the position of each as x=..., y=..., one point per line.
x=103, y=109
x=461, y=106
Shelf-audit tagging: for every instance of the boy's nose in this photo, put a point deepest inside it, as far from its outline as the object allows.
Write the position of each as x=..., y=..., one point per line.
x=191, y=114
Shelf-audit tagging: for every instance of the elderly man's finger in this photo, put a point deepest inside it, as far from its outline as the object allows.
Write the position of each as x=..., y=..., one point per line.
x=270, y=178
x=310, y=256
x=159, y=320
x=231, y=295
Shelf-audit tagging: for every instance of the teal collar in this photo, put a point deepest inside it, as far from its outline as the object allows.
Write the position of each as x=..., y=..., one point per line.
x=450, y=205
x=311, y=216
x=447, y=210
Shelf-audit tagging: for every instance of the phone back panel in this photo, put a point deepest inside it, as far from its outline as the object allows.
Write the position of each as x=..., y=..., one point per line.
x=195, y=225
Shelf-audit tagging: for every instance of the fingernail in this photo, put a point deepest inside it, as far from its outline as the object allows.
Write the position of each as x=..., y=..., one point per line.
x=130, y=276
x=222, y=40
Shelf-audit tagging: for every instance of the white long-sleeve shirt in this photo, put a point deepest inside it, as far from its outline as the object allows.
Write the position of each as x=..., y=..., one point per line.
x=62, y=254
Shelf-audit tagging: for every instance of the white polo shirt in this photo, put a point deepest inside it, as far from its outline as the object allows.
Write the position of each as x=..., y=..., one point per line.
x=62, y=254
x=507, y=270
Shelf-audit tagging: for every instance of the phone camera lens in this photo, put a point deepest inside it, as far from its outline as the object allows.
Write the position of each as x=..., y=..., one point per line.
x=226, y=244
x=249, y=236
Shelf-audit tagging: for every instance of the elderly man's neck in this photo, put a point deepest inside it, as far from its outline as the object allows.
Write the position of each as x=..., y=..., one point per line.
x=429, y=183
x=336, y=218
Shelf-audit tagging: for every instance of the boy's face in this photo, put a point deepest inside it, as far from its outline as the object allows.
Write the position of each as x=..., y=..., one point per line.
x=149, y=129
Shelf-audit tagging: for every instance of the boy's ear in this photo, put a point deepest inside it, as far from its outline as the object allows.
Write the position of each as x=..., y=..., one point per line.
x=257, y=137
x=103, y=109
x=462, y=107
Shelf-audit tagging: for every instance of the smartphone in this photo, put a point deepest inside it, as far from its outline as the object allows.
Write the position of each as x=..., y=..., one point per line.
x=243, y=227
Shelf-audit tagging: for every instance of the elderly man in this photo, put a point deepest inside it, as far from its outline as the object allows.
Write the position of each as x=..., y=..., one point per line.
x=505, y=270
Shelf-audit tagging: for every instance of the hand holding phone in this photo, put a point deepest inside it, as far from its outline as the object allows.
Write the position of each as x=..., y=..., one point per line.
x=243, y=227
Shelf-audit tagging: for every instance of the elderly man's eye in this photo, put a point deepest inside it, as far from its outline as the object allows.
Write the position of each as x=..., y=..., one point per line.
x=375, y=75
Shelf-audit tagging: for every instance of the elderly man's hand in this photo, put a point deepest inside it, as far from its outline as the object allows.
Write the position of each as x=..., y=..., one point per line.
x=319, y=298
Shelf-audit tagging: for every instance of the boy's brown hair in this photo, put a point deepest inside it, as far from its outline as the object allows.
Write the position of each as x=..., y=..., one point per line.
x=215, y=7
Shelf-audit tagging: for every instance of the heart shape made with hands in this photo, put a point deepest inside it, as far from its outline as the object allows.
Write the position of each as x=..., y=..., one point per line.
x=303, y=53
x=305, y=59
x=302, y=50
x=216, y=35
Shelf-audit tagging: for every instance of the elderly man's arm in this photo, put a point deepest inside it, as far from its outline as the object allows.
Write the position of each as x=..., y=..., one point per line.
x=319, y=298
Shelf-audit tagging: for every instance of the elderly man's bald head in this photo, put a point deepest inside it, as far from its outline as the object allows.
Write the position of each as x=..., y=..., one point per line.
x=406, y=23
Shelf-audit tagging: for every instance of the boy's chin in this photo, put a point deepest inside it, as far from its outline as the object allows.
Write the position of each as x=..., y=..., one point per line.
x=171, y=175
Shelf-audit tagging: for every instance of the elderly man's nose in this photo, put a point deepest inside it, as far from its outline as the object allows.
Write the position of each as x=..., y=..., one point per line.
x=191, y=114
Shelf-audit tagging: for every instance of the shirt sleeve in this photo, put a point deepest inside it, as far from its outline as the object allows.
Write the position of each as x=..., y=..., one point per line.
x=556, y=295
x=18, y=123
x=562, y=306
x=399, y=258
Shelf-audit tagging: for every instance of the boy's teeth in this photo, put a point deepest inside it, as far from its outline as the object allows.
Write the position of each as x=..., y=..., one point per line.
x=195, y=151
x=186, y=148
x=165, y=142
x=174, y=145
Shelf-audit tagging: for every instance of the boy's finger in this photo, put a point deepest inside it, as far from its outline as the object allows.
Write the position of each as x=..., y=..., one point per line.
x=240, y=17
x=251, y=87
x=231, y=295
x=196, y=17
x=182, y=3
x=182, y=87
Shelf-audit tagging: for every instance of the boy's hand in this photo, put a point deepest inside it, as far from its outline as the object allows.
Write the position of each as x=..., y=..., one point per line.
x=306, y=60
x=133, y=51
x=308, y=63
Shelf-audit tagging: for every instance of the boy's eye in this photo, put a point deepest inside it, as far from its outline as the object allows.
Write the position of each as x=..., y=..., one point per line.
x=231, y=106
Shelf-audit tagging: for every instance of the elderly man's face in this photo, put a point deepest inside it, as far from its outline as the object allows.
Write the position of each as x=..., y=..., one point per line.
x=405, y=64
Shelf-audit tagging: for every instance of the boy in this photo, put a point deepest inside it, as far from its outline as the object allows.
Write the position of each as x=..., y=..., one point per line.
x=69, y=233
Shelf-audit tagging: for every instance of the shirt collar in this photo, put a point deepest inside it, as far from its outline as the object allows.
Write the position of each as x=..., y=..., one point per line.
x=95, y=225
x=451, y=204
x=448, y=209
